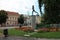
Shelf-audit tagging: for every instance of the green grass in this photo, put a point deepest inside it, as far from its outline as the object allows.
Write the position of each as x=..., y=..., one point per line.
x=47, y=35
x=1, y=31
x=14, y=32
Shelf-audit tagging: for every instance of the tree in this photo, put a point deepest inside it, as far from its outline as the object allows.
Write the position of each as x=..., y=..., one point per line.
x=52, y=11
x=21, y=19
x=3, y=16
x=3, y=19
x=40, y=4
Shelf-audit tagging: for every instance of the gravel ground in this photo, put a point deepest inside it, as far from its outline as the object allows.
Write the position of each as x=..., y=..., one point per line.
x=23, y=38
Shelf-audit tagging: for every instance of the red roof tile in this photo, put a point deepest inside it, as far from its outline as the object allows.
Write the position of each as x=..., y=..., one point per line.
x=12, y=13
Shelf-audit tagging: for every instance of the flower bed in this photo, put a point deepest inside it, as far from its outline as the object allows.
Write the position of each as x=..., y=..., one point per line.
x=48, y=29
x=25, y=28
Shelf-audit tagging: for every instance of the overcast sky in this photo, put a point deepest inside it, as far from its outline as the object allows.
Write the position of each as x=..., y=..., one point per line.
x=20, y=6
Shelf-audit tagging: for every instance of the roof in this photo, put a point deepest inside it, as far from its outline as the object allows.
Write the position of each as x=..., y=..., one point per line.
x=12, y=13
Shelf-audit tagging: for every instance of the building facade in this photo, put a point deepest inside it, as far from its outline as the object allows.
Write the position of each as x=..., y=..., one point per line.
x=12, y=18
x=29, y=20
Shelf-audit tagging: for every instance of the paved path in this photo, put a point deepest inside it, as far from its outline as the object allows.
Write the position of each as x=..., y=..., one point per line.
x=8, y=27
x=24, y=38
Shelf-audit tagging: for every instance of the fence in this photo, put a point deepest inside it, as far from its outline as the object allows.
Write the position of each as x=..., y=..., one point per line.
x=48, y=25
x=55, y=25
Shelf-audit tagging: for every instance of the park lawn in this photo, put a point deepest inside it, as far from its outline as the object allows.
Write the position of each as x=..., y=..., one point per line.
x=1, y=31
x=15, y=32
x=47, y=35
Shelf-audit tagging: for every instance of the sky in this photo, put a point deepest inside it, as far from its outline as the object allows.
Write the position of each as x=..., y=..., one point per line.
x=20, y=6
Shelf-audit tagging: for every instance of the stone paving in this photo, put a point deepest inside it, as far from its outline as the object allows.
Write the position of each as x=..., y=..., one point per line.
x=23, y=38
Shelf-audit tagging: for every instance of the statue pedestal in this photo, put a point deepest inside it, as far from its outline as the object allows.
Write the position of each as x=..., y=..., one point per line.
x=33, y=21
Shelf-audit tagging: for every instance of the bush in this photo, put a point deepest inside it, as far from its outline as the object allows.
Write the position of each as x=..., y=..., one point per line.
x=29, y=29
x=39, y=25
x=26, y=29
x=40, y=31
x=43, y=30
x=47, y=25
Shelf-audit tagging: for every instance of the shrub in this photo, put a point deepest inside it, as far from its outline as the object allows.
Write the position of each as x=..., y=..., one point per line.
x=26, y=29
x=43, y=30
x=58, y=29
x=53, y=29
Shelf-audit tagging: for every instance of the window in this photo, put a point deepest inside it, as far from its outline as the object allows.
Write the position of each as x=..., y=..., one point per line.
x=13, y=18
x=10, y=18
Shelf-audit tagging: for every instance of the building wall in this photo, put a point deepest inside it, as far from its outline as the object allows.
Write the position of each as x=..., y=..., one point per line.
x=12, y=18
x=38, y=19
x=29, y=20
